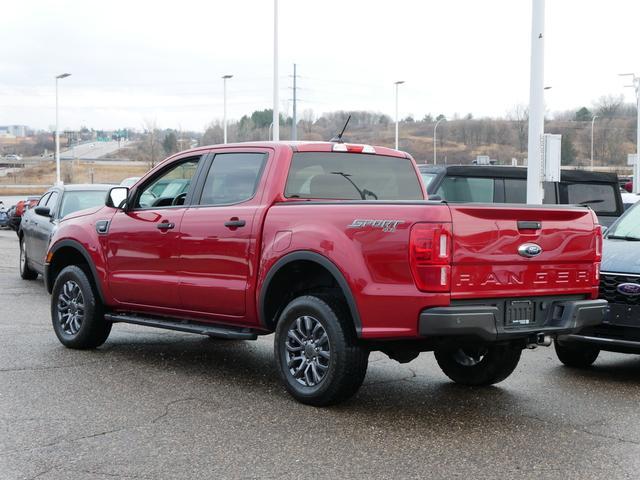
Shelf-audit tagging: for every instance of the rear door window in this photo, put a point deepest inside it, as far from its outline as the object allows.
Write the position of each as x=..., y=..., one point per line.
x=515, y=190
x=601, y=197
x=233, y=178
x=470, y=189
x=550, y=197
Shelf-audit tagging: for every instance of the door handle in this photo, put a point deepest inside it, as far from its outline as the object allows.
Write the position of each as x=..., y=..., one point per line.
x=166, y=225
x=234, y=223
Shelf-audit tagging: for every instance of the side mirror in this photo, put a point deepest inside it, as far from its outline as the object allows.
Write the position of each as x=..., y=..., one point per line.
x=117, y=197
x=43, y=211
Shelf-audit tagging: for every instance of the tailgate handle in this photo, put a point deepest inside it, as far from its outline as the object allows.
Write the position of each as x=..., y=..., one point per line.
x=529, y=225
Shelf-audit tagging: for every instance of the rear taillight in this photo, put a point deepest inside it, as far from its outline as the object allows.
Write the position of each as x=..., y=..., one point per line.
x=598, y=255
x=430, y=256
x=598, y=243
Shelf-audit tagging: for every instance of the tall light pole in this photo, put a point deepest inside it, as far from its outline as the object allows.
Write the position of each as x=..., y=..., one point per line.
x=593, y=121
x=224, y=114
x=276, y=100
x=535, y=191
x=58, y=77
x=294, y=119
x=397, y=84
x=636, y=167
x=435, y=138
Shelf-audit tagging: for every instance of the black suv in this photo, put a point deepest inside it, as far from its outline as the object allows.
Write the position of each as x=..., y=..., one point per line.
x=501, y=184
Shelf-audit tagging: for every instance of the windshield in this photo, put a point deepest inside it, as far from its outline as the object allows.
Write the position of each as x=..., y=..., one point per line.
x=352, y=176
x=427, y=178
x=628, y=227
x=79, y=200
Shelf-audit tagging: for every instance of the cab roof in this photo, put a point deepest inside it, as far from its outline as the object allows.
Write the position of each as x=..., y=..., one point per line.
x=306, y=147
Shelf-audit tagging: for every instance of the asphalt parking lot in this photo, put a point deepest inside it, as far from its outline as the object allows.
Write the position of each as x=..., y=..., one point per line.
x=152, y=404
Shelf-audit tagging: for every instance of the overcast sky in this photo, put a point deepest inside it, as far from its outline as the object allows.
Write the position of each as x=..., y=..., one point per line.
x=135, y=61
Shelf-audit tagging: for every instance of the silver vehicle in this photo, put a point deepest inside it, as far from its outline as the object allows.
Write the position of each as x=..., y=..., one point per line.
x=39, y=223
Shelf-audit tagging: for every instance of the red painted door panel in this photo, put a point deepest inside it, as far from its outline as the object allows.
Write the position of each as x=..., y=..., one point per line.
x=142, y=257
x=216, y=259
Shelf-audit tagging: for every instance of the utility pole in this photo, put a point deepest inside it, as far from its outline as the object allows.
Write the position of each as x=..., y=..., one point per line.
x=535, y=191
x=397, y=84
x=593, y=121
x=276, y=100
x=58, y=182
x=294, y=125
x=636, y=167
x=224, y=114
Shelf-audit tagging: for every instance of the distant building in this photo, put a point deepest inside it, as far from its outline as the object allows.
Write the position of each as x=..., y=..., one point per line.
x=14, y=130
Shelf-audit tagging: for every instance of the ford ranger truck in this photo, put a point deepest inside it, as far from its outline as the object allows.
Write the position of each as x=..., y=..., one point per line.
x=334, y=248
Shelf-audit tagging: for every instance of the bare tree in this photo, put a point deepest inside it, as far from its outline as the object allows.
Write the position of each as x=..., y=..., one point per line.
x=151, y=145
x=520, y=118
x=308, y=117
x=609, y=106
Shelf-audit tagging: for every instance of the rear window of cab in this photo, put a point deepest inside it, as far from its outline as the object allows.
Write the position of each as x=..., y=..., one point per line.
x=352, y=176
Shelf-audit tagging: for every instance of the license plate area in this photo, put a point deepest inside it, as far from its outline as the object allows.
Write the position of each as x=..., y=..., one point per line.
x=519, y=313
x=623, y=315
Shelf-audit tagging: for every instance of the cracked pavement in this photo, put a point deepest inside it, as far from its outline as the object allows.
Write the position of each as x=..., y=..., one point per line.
x=153, y=404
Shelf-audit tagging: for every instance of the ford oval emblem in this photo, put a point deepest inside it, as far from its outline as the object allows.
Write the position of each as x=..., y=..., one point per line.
x=529, y=250
x=629, y=289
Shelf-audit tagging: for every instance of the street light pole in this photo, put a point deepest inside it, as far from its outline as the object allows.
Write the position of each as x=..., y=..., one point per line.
x=593, y=121
x=435, y=138
x=535, y=191
x=636, y=167
x=58, y=182
x=224, y=114
x=276, y=100
x=397, y=84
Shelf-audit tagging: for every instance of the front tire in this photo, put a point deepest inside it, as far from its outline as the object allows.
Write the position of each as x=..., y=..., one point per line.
x=25, y=271
x=77, y=312
x=478, y=366
x=317, y=353
x=576, y=355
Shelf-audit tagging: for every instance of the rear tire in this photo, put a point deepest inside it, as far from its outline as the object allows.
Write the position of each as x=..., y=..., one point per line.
x=25, y=271
x=576, y=355
x=318, y=356
x=77, y=312
x=478, y=366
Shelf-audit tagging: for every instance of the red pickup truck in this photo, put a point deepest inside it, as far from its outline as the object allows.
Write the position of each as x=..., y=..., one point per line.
x=334, y=248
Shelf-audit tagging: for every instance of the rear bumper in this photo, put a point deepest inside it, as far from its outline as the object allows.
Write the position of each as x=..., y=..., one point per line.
x=489, y=323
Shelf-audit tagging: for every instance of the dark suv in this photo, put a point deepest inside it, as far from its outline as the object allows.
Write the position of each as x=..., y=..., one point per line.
x=620, y=286
x=501, y=184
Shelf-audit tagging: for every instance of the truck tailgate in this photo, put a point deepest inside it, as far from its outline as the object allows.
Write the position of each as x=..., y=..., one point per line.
x=486, y=260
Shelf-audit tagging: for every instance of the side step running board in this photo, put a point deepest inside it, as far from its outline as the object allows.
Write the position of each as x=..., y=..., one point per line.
x=188, y=326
